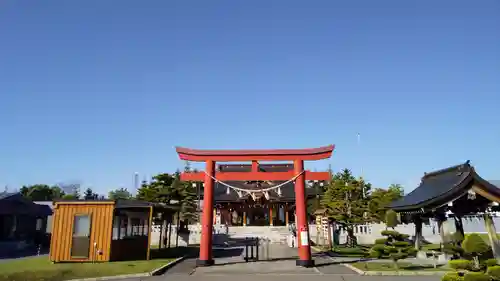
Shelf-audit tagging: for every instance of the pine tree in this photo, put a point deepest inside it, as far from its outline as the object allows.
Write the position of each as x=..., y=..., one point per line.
x=380, y=198
x=188, y=203
x=120, y=193
x=346, y=201
x=185, y=194
x=147, y=192
x=89, y=194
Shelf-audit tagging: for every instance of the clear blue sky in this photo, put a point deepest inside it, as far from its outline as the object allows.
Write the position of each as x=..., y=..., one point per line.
x=93, y=91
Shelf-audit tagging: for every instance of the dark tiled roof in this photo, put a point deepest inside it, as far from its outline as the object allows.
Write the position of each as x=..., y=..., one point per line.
x=262, y=167
x=442, y=186
x=495, y=183
x=287, y=192
x=5, y=195
x=15, y=203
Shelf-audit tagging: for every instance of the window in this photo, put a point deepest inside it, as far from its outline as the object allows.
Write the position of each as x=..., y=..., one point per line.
x=81, y=226
x=136, y=226
x=128, y=227
x=39, y=224
x=80, y=246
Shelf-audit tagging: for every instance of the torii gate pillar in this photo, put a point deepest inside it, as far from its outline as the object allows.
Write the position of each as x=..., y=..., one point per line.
x=207, y=218
x=301, y=211
x=298, y=156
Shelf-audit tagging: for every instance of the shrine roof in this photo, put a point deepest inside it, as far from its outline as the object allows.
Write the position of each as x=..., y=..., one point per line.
x=439, y=187
x=287, y=191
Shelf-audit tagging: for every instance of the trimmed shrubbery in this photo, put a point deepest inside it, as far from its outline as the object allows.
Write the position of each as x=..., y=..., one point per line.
x=381, y=241
x=461, y=264
x=476, y=267
x=475, y=246
x=476, y=276
x=453, y=276
x=451, y=249
x=490, y=262
x=494, y=272
x=394, y=247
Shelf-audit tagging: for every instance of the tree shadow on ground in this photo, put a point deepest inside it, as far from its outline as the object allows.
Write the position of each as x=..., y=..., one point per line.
x=6, y=253
x=419, y=267
x=339, y=262
x=175, y=252
x=193, y=252
x=226, y=253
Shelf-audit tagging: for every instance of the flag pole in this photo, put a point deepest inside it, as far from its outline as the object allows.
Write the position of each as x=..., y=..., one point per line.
x=359, y=151
x=361, y=165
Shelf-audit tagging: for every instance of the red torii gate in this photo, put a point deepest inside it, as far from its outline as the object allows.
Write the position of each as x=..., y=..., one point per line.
x=298, y=156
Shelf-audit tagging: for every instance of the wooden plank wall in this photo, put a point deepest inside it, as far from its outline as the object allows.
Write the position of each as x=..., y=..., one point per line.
x=100, y=232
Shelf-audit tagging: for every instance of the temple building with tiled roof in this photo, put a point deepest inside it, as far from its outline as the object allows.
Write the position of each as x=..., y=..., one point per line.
x=450, y=189
x=276, y=208
x=448, y=195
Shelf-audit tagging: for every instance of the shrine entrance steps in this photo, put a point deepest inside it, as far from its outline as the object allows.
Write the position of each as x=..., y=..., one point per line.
x=276, y=234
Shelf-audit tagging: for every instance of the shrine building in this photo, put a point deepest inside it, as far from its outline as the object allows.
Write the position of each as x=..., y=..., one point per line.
x=275, y=207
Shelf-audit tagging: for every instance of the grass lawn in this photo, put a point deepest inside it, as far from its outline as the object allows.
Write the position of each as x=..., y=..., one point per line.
x=358, y=251
x=389, y=266
x=41, y=269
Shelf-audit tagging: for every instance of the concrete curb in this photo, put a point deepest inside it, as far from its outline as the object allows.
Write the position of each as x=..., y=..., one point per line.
x=405, y=273
x=113, y=277
x=357, y=270
x=396, y=273
x=386, y=273
x=316, y=249
x=160, y=270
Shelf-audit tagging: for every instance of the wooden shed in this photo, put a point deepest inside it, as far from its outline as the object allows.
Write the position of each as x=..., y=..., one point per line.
x=103, y=230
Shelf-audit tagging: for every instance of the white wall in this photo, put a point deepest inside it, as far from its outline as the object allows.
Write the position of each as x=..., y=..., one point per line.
x=366, y=233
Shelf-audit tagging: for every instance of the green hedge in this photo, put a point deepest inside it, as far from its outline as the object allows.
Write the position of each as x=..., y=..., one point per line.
x=452, y=276
x=490, y=262
x=494, y=272
x=474, y=244
x=461, y=264
x=476, y=276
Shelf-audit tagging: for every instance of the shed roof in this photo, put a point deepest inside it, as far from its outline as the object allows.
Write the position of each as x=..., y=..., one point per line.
x=442, y=186
x=120, y=203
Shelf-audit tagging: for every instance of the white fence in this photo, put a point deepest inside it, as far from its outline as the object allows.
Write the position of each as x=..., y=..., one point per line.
x=366, y=233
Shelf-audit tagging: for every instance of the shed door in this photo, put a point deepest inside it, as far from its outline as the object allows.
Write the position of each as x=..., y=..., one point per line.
x=80, y=246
